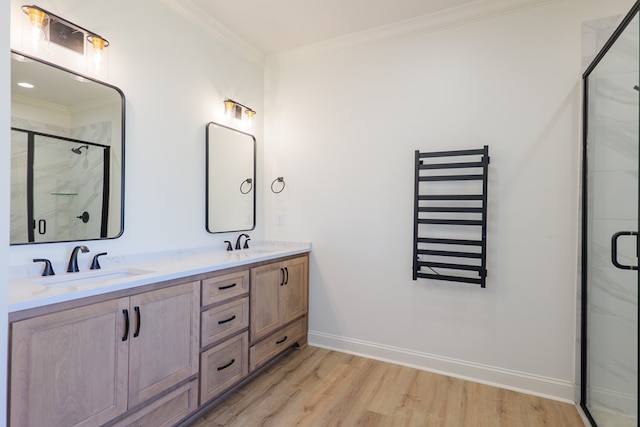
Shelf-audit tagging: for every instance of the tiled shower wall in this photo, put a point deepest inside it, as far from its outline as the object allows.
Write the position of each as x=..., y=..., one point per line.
x=81, y=173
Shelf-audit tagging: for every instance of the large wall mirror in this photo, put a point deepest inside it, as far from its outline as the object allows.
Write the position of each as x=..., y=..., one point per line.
x=230, y=181
x=67, y=155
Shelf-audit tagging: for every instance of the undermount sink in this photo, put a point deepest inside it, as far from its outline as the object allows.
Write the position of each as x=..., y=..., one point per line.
x=251, y=253
x=261, y=249
x=93, y=277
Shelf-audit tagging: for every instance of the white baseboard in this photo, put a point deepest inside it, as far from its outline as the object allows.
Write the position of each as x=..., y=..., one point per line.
x=512, y=380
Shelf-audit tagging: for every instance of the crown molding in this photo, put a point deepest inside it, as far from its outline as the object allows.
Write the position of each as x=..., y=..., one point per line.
x=456, y=16
x=200, y=18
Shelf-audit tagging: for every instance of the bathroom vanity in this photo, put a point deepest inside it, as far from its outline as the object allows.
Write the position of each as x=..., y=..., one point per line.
x=153, y=345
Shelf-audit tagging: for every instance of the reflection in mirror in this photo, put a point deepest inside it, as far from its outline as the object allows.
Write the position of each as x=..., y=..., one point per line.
x=64, y=185
x=67, y=155
x=230, y=182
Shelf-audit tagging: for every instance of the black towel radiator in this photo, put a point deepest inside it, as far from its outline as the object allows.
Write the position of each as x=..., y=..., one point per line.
x=450, y=216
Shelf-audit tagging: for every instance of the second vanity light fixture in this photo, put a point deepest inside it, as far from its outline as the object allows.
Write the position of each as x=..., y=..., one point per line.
x=233, y=110
x=46, y=27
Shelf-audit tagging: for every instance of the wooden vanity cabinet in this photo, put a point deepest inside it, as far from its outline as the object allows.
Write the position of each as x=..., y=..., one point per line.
x=279, y=296
x=157, y=356
x=87, y=366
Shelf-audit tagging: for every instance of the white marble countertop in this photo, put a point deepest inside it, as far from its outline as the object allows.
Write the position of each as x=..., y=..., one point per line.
x=28, y=289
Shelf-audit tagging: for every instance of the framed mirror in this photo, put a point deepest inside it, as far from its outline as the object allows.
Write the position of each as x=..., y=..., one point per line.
x=67, y=155
x=230, y=179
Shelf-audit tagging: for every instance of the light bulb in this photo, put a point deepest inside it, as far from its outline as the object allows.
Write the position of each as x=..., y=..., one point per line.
x=37, y=35
x=250, y=114
x=228, y=109
x=97, y=60
x=97, y=57
x=37, y=24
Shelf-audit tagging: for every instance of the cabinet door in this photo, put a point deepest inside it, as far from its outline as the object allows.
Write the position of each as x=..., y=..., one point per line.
x=69, y=368
x=294, y=292
x=165, y=350
x=264, y=300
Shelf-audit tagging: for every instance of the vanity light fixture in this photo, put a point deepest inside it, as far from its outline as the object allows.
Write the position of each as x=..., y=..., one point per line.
x=229, y=106
x=233, y=110
x=48, y=27
x=38, y=20
x=96, y=55
x=250, y=114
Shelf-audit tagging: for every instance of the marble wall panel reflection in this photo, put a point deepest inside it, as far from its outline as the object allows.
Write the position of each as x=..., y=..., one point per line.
x=65, y=184
x=18, y=229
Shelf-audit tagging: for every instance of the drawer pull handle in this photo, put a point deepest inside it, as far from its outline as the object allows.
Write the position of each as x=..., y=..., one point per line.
x=282, y=340
x=220, y=322
x=222, y=288
x=126, y=324
x=227, y=365
x=138, y=320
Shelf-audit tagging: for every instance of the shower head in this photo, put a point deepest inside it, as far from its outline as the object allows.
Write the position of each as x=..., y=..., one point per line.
x=78, y=150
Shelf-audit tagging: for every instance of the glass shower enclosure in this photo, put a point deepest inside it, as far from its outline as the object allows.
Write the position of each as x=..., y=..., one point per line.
x=609, y=379
x=59, y=188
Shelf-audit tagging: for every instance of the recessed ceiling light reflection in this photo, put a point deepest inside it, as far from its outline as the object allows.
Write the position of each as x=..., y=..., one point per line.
x=78, y=78
x=20, y=58
x=26, y=85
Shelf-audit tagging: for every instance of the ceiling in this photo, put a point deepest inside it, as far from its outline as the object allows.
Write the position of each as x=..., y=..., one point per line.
x=56, y=86
x=278, y=25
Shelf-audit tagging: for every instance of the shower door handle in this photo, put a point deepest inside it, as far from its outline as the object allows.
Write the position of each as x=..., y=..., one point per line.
x=614, y=249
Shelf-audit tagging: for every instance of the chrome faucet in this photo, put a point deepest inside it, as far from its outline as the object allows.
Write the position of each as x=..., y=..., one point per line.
x=73, y=260
x=246, y=242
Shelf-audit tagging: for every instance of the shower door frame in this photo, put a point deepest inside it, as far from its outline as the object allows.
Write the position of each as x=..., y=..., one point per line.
x=104, y=203
x=584, y=262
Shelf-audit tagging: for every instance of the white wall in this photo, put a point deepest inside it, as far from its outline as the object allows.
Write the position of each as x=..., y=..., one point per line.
x=175, y=76
x=341, y=128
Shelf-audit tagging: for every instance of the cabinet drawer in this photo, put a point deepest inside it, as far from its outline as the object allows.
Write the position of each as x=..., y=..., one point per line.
x=275, y=343
x=224, y=320
x=222, y=366
x=217, y=289
x=167, y=410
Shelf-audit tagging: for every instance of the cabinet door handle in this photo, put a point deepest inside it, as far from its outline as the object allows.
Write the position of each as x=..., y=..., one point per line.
x=220, y=368
x=286, y=281
x=126, y=324
x=282, y=340
x=222, y=288
x=138, y=320
x=282, y=280
x=220, y=322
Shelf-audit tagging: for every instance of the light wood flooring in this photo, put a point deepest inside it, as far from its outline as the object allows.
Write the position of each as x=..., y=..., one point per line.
x=318, y=387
